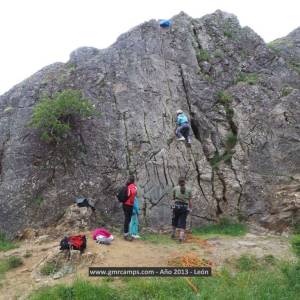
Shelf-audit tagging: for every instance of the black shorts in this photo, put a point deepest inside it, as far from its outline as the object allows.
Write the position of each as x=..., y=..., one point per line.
x=180, y=213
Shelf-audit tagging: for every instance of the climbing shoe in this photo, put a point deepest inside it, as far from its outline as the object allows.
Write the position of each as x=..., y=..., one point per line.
x=181, y=139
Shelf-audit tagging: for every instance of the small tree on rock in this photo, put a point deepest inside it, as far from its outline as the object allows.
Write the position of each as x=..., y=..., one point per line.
x=55, y=117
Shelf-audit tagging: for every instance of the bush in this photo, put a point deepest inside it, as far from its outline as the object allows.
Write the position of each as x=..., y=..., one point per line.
x=251, y=78
x=5, y=244
x=202, y=55
x=296, y=244
x=296, y=228
x=224, y=227
x=247, y=263
x=14, y=262
x=49, y=268
x=231, y=140
x=224, y=98
x=55, y=117
x=10, y=263
x=286, y=90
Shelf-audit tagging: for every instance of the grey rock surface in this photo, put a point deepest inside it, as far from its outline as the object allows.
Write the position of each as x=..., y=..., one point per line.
x=243, y=147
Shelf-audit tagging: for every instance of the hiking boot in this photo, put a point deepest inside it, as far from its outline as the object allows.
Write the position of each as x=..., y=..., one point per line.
x=181, y=139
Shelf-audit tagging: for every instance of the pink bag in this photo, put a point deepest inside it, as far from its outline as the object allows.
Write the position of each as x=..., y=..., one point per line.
x=101, y=231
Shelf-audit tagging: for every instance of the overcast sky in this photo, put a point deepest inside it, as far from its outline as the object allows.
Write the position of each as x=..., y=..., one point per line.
x=36, y=33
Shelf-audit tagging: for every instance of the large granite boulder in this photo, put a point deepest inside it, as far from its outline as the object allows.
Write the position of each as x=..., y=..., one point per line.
x=242, y=97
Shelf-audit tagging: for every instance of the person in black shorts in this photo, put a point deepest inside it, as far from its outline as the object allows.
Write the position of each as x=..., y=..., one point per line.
x=182, y=205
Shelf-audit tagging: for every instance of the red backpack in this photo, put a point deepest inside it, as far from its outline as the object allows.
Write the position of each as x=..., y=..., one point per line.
x=77, y=242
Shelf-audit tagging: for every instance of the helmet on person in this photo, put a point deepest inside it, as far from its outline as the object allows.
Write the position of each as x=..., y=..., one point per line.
x=179, y=111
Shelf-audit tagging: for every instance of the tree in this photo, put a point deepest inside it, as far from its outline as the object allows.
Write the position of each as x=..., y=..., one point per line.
x=56, y=117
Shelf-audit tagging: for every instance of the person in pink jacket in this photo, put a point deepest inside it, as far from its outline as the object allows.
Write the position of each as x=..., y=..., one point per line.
x=128, y=206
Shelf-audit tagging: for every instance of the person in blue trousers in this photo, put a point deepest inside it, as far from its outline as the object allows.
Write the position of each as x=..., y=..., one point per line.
x=134, y=223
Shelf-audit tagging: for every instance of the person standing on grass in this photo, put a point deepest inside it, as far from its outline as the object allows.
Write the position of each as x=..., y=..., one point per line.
x=128, y=206
x=182, y=205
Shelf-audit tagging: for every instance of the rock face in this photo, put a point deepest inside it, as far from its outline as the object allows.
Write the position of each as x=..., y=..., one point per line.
x=241, y=96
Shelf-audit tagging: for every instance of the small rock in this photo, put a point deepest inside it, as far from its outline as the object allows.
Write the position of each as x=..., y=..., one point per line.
x=247, y=244
x=57, y=275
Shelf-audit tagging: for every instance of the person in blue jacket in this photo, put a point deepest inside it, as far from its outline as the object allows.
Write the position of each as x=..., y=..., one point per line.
x=183, y=129
x=134, y=223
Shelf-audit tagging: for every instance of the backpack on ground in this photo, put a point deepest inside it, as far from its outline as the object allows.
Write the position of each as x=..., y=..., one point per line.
x=75, y=242
x=123, y=194
x=84, y=202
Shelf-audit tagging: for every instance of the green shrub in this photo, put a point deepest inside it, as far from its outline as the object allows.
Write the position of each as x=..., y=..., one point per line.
x=9, y=263
x=215, y=160
x=231, y=140
x=50, y=268
x=228, y=34
x=224, y=98
x=224, y=227
x=296, y=227
x=247, y=263
x=202, y=55
x=251, y=78
x=55, y=117
x=270, y=259
x=296, y=244
x=5, y=244
x=14, y=262
x=286, y=90
x=38, y=200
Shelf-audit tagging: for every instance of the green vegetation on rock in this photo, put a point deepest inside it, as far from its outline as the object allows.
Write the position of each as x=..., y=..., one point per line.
x=202, y=55
x=56, y=117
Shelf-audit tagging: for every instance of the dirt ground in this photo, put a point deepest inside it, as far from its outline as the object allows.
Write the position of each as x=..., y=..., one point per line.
x=19, y=283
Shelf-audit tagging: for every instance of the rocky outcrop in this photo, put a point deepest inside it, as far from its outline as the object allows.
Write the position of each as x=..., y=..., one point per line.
x=242, y=98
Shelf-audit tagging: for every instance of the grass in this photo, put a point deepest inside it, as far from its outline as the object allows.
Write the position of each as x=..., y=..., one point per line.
x=295, y=241
x=225, y=227
x=5, y=244
x=9, y=263
x=38, y=200
x=231, y=140
x=286, y=90
x=49, y=268
x=252, y=282
x=202, y=55
x=251, y=78
x=224, y=98
x=247, y=263
x=155, y=238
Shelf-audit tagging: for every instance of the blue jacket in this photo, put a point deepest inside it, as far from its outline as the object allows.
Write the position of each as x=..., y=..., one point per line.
x=135, y=210
x=181, y=119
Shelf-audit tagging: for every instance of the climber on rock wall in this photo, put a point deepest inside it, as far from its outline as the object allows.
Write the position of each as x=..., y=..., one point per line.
x=183, y=131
